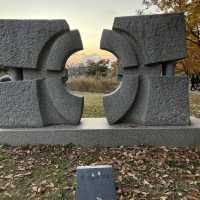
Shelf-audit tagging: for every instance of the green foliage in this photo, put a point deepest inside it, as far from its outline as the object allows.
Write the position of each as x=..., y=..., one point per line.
x=93, y=105
x=99, y=68
x=2, y=71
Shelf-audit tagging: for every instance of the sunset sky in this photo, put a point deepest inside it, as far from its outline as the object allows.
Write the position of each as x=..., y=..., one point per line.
x=89, y=16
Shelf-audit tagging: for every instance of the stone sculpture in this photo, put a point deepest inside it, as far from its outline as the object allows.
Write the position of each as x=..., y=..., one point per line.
x=35, y=52
x=5, y=78
x=148, y=48
x=34, y=97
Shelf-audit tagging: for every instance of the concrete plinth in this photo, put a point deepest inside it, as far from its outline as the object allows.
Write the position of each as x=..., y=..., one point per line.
x=93, y=132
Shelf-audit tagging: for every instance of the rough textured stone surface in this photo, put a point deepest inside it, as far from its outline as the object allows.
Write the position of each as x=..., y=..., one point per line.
x=155, y=42
x=166, y=101
x=37, y=50
x=120, y=46
x=160, y=38
x=19, y=105
x=93, y=132
x=57, y=104
x=118, y=103
x=62, y=49
x=136, y=113
x=52, y=57
x=55, y=56
x=21, y=41
x=95, y=182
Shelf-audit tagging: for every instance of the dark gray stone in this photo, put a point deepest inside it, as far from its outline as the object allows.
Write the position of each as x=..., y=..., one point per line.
x=159, y=38
x=57, y=104
x=19, y=105
x=37, y=50
x=62, y=49
x=118, y=103
x=22, y=41
x=54, y=56
x=97, y=132
x=95, y=183
x=154, y=43
x=120, y=46
x=166, y=101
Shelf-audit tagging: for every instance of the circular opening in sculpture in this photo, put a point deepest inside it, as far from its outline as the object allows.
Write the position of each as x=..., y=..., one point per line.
x=92, y=73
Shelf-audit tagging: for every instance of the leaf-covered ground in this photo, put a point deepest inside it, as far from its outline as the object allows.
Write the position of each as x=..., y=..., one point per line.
x=141, y=172
x=195, y=104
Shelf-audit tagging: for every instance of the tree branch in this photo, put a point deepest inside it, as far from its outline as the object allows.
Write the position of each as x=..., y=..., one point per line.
x=194, y=42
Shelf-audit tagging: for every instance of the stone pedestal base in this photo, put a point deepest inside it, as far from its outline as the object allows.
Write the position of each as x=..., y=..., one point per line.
x=92, y=132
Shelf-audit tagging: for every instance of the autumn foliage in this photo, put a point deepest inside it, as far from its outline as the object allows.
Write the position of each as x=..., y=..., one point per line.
x=191, y=8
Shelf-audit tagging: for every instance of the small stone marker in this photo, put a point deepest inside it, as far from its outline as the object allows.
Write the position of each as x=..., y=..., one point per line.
x=95, y=183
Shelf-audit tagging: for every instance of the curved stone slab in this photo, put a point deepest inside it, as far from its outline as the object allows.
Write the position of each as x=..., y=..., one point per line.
x=21, y=41
x=120, y=46
x=57, y=104
x=64, y=46
x=118, y=103
x=19, y=105
x=54, y=56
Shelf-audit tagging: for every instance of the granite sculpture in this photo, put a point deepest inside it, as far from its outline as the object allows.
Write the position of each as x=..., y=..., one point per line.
x=33, y=97
x=148, y=48
x=35, y=52
x=5, y=78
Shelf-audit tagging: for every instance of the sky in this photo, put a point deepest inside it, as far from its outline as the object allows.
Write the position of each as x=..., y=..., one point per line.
x=89, y=16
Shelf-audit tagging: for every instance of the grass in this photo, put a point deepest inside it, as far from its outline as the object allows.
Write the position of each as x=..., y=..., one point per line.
x=93, y=104
x=195, y=105
x=141, y=172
